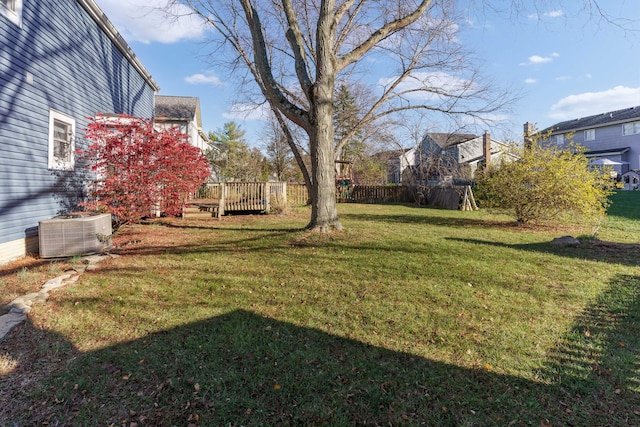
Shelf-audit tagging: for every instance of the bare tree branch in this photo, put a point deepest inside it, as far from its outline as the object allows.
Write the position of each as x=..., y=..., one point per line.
x=381, y=34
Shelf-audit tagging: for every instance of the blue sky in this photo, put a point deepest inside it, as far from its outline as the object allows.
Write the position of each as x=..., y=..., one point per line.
x=563, y=62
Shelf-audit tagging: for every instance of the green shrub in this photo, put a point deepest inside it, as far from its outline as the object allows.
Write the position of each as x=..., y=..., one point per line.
x=547, y=183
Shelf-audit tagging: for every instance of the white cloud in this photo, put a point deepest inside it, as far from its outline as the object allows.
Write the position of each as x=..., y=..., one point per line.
x=562, y=78
x=247, y=112
x=530, y=81
x=137, y=21
x=555, y=13
x=552, y=14
x=196, y=79
x=590, y=103
x=537, y=59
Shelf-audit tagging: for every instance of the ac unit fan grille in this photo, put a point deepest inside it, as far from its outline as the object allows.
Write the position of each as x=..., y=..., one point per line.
x=67, y=237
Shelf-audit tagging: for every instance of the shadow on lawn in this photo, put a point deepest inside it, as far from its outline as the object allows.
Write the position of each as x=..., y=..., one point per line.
x=141, y=247
x=433, y=219
x=596, y=250
x=244, y=369
x=205, y=226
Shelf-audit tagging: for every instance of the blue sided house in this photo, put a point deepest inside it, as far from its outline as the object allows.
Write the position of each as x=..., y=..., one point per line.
x=60, y=62
x=611, y=139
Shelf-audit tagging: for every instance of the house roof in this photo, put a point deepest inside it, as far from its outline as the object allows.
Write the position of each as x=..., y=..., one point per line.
x=598, y=120
x=389, y=154
x=449, y=139
x=107, y=27
x=609, y=152
x=181, y=108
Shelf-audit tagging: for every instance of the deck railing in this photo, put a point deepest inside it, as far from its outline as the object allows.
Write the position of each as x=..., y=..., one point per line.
x=260, y=196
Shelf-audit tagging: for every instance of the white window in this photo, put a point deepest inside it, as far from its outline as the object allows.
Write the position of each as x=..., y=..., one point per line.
x=631, y=128
x=589, y=134
x=12, y=9
x=559, y=139
x=61, y=141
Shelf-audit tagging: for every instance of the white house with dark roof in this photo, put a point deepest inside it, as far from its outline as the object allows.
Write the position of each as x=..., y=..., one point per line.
x=183, y=112
x=612, y=137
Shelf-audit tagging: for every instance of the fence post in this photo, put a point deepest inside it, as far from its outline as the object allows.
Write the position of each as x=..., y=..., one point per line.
x=223, y=191
x=267, y=196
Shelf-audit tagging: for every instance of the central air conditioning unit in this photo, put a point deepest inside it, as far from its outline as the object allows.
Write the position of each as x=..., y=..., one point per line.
x=74, y=235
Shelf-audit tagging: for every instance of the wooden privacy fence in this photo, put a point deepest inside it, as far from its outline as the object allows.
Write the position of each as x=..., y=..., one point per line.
x=374, y=194
x=448, y=197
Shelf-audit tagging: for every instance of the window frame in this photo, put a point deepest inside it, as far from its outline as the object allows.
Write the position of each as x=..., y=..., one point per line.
x=559, y=139
x=55, y=163
x=12, y=11
x=590, y=134
x=635, y=128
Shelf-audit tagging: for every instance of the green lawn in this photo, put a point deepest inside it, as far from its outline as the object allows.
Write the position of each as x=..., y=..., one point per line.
x=411, y=316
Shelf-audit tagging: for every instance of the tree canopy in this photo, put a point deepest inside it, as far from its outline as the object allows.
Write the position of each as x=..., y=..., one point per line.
x=231, y=157
x=298, y=51
x=139, y=169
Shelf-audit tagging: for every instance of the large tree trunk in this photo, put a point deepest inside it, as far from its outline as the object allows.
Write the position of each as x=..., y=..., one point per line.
x=324, y=214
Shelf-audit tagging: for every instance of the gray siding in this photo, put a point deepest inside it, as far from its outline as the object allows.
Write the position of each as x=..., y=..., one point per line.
x=611, y=138
x=470, y=150
x=76, y=70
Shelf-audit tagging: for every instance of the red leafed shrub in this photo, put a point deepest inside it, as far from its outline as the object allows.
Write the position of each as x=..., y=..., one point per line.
x=139, y=169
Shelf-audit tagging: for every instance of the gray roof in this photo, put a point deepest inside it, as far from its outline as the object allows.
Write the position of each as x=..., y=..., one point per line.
x=385, y=155
x=177, y=108
x=598, y=120
x=609, y=152
x=449, y=139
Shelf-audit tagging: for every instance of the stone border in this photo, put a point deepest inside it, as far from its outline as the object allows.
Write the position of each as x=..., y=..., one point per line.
x=19, y=307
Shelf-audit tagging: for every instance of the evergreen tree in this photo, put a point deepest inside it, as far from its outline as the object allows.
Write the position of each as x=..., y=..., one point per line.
x=345, y=120
x=231, y=157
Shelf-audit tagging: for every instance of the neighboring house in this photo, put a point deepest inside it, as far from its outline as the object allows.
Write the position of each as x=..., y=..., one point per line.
x=183, y=112
x=60, y=62
x=462, y=151
x=399, y=163
x=444, y=156
x=612, y=137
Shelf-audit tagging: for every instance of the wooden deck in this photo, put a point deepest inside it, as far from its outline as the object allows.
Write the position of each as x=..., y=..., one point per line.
x=234, y=197
x=205, y=208
x=201, y=208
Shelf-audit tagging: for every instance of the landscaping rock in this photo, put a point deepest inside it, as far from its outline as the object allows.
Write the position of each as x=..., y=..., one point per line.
x=565, y=241
x=9, y=321
x=60, y=281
